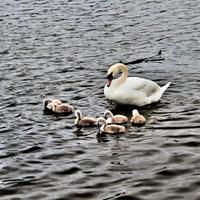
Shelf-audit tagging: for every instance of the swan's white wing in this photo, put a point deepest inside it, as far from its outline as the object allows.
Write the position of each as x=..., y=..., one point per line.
x=140, y=85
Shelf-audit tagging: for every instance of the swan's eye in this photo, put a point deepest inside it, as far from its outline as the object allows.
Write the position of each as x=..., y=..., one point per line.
x=117, y=74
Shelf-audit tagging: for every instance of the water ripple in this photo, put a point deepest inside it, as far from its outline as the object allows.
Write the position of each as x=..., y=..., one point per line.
x=62, y=49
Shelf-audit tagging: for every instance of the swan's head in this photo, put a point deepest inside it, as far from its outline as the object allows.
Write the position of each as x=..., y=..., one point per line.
x=135, y=112
x=108, y=114
x=113, y=70
x=78, y=114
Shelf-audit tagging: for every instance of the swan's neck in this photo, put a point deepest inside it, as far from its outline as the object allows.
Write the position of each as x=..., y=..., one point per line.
x=122, y=78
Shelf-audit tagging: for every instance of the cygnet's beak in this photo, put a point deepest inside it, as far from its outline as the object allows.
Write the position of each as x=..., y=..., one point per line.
x=46, y=104
x=105, y=116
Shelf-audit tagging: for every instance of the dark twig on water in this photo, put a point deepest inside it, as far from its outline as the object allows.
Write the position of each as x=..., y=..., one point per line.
x=6, y=51
x=154, y=58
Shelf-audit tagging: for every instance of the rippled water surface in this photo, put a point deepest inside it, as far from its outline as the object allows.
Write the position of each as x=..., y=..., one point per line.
x=63, y=49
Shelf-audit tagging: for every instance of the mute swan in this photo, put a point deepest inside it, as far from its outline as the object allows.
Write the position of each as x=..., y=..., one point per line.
x=83, y=121
x=63, y=108
x=131, y=90
x=111, y=128
x=137, y=119
x=115, y=119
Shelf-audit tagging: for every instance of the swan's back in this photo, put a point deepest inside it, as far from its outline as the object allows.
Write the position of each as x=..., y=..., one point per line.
x=135, y=91
x=141, y=85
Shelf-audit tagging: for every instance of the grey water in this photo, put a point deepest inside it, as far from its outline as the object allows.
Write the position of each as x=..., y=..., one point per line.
x=62, y=49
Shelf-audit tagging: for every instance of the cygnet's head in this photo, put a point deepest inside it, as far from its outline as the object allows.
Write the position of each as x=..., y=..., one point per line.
x=108, y=114
x=46, y=103
x=135, y=112
x=101, y=121
x=78, y=114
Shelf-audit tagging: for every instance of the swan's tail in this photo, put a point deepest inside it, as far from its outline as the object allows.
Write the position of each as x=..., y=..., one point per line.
x=156, y=97
x=163, y=88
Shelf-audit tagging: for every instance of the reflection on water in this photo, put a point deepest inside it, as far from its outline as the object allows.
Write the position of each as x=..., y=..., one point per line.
x=63, y=49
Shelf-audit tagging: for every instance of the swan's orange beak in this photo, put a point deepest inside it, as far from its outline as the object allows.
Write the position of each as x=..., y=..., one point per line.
x=109, y=79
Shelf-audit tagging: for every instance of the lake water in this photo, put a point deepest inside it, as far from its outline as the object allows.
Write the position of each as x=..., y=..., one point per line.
x=62, y=49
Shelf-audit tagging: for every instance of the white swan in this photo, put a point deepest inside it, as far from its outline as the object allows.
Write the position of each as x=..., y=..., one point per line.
x=131, y=90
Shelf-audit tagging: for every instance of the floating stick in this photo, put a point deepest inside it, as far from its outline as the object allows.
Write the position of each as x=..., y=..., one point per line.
x=156, y=57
